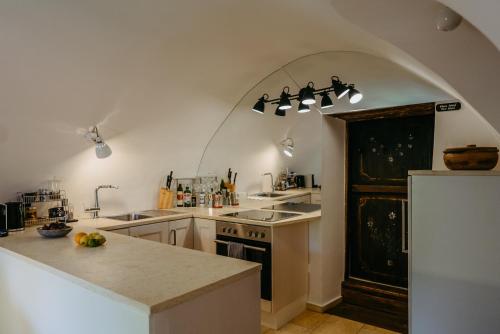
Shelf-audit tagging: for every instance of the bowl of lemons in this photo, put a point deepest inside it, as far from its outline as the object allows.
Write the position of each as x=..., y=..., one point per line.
x=94, y=239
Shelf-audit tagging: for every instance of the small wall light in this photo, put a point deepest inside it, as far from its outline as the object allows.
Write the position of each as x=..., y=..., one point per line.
x=102, y=150
x=288, y=147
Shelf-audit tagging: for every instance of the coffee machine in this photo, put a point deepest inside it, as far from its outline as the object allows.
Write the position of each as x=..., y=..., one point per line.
x=3, y=221
x=12, y=217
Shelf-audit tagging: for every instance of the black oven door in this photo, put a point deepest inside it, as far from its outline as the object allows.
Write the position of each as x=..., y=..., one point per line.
x=259, y=252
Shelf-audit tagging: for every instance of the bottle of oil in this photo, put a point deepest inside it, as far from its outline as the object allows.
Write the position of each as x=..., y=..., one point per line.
x=180, y=196
x=187, y=197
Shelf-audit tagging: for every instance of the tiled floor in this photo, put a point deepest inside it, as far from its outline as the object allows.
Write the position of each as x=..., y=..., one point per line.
x=321, y=323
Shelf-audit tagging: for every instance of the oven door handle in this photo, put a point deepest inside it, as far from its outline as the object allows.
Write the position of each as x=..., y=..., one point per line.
x=260, y=249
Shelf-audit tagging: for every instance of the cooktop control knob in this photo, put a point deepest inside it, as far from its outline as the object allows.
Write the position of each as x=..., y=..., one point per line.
x=262, y=235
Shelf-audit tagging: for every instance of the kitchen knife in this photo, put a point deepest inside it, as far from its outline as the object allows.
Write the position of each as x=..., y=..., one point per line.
x=169, y=180
x=229, y=175
x=235, y=174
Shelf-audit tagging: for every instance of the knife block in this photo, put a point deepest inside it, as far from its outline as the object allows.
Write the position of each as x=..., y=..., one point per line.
x=165, y=199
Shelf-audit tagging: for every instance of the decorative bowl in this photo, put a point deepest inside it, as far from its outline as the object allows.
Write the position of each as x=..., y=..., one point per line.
x=471, y=157
x=59, y=233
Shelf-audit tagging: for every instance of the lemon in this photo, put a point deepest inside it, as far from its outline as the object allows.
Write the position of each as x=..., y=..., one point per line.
x=84, y=240
x=78, y=236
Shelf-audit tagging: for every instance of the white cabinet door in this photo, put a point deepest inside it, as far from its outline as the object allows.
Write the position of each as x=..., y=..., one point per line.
x=181, y=233
x=124, y=231
x=154, y=232
x=301, y=199
x=315, y=198
x=204, y=235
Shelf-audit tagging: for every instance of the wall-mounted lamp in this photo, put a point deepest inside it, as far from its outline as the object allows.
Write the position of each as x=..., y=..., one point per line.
x=102, y=150
x=288, y=147
x=307, y=97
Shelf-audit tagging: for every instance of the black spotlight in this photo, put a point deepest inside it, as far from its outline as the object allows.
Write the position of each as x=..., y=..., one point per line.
x=280, y=112
x=326, y=101
x=339, y=88
x=285, y=100
x=261, y=104
x=354, y=95
x=306, y=94
x=303, y=108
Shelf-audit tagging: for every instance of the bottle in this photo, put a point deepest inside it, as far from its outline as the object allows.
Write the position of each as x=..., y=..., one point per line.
x=180, y=196
x=210, y=198
x=187, y=197
x=201, y=200
x=193, y=201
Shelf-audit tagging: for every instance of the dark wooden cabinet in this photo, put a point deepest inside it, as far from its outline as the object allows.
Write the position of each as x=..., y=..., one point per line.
x=380, y=153
x=382, y=145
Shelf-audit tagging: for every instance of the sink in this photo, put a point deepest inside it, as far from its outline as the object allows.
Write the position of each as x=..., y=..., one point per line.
x=159, y=213
x=270, y=195
x=130, y=217
x=144, y=215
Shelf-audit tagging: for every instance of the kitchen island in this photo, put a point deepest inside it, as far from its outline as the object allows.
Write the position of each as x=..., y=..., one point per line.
x=134, y=286
x=128, y=285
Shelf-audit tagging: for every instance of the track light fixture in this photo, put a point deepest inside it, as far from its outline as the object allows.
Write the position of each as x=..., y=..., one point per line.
x=260, y=105
x=326, y=101
x=280, y=112
x=307, y=97
x=285, y=99
x=303, y=108
x=354, y=95
x=339, y=88
x=306, y=94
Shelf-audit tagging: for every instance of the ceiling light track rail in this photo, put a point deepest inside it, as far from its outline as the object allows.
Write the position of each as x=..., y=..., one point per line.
x=307, y=96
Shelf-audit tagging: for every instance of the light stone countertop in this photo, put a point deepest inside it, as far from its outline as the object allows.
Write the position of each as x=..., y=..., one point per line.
x=148, y=275
x=214, y=214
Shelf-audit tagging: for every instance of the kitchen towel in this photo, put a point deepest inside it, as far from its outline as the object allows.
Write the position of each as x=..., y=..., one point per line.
x=236, y=250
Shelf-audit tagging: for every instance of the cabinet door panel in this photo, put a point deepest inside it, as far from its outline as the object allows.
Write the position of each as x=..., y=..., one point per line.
x=375, y=238
x=154, y=232
x=382, y=151
x=204, y=235
x=181, y=233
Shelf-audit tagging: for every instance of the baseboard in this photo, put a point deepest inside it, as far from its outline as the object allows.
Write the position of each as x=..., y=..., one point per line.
x=324, y=307
x=283, y=316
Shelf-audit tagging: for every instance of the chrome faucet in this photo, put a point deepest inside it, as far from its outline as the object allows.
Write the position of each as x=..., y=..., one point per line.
x=272, y=180
x=97, y=208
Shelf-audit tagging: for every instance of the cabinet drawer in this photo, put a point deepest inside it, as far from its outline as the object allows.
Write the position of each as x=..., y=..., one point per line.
x=123, y=231
x=154, y=232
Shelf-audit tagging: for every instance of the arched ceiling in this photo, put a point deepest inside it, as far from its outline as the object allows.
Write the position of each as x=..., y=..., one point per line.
x=152, y=73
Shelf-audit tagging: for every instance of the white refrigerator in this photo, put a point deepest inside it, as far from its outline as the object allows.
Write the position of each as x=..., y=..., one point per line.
x=454, y=252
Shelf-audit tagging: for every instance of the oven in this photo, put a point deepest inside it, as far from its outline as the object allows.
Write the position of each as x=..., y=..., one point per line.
x=257, y=248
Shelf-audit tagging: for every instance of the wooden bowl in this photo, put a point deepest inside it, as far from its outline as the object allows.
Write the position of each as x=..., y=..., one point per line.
x=471, y=157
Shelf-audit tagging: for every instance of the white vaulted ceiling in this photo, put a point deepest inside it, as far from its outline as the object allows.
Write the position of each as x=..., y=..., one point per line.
x=158, y=76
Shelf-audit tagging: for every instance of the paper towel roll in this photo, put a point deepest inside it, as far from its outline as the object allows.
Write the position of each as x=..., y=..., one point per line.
x=309, y=180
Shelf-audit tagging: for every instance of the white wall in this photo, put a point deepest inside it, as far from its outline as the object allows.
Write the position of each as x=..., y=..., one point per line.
x=161, y=77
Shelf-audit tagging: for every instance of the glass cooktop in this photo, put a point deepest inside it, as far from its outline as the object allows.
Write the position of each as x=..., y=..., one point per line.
x=262, y=215
x=294, y=207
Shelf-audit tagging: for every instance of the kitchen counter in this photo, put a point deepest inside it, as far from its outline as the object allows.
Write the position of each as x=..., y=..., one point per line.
x=214, y=214
x=147, y=275
x=155, y=279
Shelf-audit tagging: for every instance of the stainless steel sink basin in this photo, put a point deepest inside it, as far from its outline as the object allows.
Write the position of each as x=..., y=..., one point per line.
x=267, y=195
x=130, y=217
